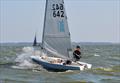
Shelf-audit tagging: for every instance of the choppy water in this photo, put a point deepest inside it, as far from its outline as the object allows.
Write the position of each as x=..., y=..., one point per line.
x=105, y=59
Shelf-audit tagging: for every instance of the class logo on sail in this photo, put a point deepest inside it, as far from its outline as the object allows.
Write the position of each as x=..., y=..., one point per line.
x=61, y=26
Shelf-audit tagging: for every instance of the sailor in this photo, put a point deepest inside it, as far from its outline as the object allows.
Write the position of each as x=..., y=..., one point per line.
x=77, y=53
x=67, y=62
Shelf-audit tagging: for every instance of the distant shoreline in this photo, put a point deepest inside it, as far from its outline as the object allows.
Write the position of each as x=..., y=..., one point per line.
x=73, y=43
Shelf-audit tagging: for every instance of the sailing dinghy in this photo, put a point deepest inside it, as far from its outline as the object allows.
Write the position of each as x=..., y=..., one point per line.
x=56, y=42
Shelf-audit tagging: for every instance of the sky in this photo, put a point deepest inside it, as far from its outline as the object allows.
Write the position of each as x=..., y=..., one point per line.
x=88, y=20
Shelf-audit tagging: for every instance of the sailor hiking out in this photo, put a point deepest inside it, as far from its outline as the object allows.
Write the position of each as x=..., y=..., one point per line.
x=77, y=53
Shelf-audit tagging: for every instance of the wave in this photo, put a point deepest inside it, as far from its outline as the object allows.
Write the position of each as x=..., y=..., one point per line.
x=103, y=69
x=23, y=61
x=107, y=71
x=115, y=58
x=110, y=80
x=96, y=55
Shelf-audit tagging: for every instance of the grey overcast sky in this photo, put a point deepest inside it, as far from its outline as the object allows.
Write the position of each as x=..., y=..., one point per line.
x=89, y=20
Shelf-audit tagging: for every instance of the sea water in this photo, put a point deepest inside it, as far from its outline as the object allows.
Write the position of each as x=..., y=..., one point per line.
x=16, y=66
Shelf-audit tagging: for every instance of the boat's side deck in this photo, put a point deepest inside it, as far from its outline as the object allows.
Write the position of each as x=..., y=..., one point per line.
x=60, y=63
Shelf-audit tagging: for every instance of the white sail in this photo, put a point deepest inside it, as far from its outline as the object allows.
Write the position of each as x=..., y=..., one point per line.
x=56, y=32
x=54, y=52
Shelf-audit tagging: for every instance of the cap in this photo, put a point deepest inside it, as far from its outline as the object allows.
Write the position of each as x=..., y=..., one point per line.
x=77, y=46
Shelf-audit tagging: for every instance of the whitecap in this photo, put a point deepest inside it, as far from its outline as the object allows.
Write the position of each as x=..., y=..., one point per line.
x=96, y=55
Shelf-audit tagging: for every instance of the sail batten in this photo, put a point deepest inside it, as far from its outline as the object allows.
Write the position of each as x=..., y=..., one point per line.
x=56, y=32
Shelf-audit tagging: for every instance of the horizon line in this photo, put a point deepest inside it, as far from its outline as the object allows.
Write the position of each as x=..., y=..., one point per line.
x=71, y=42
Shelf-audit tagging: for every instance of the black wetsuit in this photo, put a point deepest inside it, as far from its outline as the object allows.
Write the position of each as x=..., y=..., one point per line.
x=77, y=54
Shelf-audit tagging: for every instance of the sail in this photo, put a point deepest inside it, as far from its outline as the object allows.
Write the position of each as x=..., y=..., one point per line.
x=56, y=32
x=35, y=41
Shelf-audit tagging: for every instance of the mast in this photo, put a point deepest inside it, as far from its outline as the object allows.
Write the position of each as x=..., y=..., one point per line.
x=44, y=23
